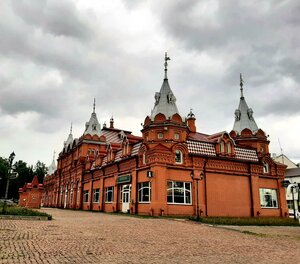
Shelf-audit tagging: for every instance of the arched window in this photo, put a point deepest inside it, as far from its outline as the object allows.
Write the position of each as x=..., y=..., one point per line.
x=222, y=148
x=228, y=148
x=144, y=157
x=178, y=157
x=266, y=167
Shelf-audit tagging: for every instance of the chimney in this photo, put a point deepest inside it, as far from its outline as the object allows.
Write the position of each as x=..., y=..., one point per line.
x=111, y=123
x=191, y=121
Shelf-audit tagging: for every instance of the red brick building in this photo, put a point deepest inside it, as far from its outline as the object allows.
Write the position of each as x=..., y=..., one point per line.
x=31, y=194
x=172, y=169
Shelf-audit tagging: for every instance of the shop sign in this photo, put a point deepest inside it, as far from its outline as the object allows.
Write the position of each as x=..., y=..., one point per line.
x=124, y=179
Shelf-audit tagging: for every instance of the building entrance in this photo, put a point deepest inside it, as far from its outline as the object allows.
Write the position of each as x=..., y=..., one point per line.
x=125, y=197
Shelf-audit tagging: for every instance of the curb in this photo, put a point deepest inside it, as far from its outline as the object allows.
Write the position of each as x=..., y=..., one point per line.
x=24, y=217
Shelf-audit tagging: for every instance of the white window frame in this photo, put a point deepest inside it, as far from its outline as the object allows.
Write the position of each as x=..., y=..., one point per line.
x=96, y=194
x=178, y=152
x=142, y=186
x=228, y=147
x=271, y=201
x=85, y=196
x=171, y=187
x=176, y=136
x=109, y=190
x=160, y=135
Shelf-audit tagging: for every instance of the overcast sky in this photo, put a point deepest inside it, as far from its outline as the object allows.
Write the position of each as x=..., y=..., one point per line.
x=57, y=56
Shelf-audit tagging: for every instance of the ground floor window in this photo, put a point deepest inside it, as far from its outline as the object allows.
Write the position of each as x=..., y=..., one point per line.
x=96, y=195
x=290, y=204
x=179, y=192
x=109, y=194
x=268, y=198
x=144, y=192
x=86, y=196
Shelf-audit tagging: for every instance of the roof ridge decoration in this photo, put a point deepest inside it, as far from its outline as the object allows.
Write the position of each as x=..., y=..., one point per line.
x=52, y=167
x=244, y=115
x=165, y=100
x=92, y=127
x=70, y=137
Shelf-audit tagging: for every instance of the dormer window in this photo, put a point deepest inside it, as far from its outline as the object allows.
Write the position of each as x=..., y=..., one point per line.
x=160, y=135
x=266, y=167
x=222, y=148
x=229, y=148
x=178, y=157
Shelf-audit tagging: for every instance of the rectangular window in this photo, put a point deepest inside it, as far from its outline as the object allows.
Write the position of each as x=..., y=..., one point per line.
x=176, y=136
x=144, y=192
x=160, y=135
x=109, y=194
x=179, y=192
x=290, y=204
x=96, y=195
x=268, y=198
x=86, y=196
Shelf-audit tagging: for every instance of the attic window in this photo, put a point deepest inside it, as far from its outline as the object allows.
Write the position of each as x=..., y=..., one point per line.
x=266, y=167
x=178, y=157
x=228, y=148
x=222, y=147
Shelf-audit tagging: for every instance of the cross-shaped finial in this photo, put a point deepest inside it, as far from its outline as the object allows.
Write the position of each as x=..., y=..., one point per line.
x=241, y=84
x=94, y=106
x=166, y=64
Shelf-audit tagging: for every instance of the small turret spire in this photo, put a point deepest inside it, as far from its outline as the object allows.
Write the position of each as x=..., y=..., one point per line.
x=166, y=65
x=54, y=155
x=94, y=105
x=71, y=128
x=241, y=85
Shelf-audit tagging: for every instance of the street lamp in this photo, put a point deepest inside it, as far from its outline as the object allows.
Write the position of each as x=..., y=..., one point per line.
x=10, y=175
x=197, y=179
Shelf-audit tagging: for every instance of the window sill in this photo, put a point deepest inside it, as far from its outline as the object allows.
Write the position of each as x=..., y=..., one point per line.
x=179, y=203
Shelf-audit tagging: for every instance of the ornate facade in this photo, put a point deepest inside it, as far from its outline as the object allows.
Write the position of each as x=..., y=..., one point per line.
x=172, y=169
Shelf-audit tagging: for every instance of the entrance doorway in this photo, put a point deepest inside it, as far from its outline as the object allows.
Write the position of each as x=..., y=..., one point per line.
x=125, y=197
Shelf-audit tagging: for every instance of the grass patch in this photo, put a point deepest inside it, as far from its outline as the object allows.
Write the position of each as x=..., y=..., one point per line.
x=248, y=221
x=16, y=210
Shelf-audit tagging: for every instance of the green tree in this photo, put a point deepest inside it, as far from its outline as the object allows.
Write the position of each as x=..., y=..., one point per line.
x=3, y=175
x=40, y=170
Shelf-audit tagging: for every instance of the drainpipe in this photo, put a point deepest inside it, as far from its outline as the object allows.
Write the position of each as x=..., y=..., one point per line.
x=205, y=187
x=251, y=193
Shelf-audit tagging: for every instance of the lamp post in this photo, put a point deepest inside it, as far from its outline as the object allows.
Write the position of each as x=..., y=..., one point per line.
x=197, y=192
x=10, y=172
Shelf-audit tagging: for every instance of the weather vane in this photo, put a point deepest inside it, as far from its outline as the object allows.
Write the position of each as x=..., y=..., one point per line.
x=241, y=84
x=166, y=64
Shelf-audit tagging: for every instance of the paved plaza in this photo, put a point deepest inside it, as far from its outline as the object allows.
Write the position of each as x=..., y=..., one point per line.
x=86, y=237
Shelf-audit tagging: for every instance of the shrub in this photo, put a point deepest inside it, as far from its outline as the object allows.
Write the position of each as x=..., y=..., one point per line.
x=246, y=221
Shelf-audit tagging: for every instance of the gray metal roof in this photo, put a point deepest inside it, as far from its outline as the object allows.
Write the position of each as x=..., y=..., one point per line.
x=294, y=172
x=244, y=115
x=93, y=127
x=165, y=102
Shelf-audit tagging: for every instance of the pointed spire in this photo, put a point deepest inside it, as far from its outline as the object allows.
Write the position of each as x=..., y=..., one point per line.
x=70, y=137
x=241, y=85
x=92, y=127
x=71, y=128
x=166, y=65
x=165, y=100
x=244, y=115
x=52, y=167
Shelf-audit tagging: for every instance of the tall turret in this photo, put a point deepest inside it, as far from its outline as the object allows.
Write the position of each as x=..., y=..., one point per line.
x=165, y=123
x=92, y=127
x=245, y=130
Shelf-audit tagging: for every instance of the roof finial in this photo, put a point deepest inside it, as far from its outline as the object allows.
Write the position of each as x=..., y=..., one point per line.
x=241, y=84
x=71, y=128
x=54, y=155
x=166, y=65
x=94, y=106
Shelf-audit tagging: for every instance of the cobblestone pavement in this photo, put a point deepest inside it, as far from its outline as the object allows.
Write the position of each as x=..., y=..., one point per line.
x=86, y=237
